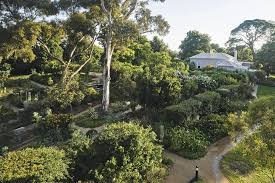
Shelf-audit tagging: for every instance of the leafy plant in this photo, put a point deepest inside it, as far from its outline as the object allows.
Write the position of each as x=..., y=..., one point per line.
x=34, y=165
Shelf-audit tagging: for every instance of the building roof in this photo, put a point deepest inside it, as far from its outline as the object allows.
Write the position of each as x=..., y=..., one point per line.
x=222, y=56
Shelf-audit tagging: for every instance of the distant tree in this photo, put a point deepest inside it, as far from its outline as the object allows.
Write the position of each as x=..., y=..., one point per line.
x=250, y=32
x=244, y=53
x=217, y=48
x=193, y=44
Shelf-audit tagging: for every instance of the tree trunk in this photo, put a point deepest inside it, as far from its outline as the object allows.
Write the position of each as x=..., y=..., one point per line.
x=107, y=78
x=253, y=52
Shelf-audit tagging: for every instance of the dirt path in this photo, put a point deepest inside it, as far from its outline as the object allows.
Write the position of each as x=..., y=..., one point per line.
x=209, y=166
x=184, y=170
x=255, y=91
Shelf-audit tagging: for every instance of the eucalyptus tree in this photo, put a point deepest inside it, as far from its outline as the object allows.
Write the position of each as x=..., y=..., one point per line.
x=251, y=32
x=124, y=20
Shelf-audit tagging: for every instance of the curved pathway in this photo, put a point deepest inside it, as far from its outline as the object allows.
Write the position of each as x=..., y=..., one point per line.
x=209, y=166
x=184, y=170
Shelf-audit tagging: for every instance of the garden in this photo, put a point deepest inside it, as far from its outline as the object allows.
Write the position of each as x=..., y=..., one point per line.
x=92, y=99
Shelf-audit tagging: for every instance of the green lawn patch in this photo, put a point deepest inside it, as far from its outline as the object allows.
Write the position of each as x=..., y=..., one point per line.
x=237, y=168
x=265, y=91
x=91, y=123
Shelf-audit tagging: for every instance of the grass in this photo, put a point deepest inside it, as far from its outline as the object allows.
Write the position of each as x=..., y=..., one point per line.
x=239, y=169
x=91, y=123
x=265, y=91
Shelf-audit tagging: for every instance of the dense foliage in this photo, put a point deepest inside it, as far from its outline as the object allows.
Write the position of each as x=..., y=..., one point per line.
x=188, y=143
x=123, y=152
x=34, y=165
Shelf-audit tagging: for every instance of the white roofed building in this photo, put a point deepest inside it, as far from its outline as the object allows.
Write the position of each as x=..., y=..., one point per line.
x=217, y=60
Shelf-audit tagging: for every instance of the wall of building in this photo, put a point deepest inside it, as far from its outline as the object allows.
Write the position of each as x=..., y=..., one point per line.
x=201, y=63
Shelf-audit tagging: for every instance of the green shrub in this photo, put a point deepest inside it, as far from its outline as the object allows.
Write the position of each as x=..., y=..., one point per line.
x=6, y=114
x=210, y=102
x=183, y=111
x=47, y=80
x=237, y=162
x=77, y=143
x=91, y=94
x=260, y=75
x=211, y=126
x=188, y=143
x=123, y=152
x=15, y=100
x=230, y=106
x=223, y=79
x=118, y=107
x=45, y=165
x=54, y=121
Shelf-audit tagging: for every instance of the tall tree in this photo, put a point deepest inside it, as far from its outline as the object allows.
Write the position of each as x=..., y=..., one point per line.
x=124, y=19
x=251, y=32
x=193, y=44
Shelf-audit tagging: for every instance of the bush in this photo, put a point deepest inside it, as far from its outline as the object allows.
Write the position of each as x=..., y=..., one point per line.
x=54, y=121
x=15, y=100
x=260, y=75
x=211, y=126
x=47, y=80
x=34, y=165
x=124, y=152
x=229, y=106
x=238, y=162
x=6, y=114
x=186, y=110
x=210, y=102
x=118, y=107
x=222, y=79
x=190, y=144
x=91, y=94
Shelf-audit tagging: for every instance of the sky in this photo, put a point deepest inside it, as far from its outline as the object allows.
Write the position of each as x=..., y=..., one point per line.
x=214, y=17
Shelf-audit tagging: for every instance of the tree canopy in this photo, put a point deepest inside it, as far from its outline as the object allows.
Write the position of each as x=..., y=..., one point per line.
x=250, y=32
x=193, y=44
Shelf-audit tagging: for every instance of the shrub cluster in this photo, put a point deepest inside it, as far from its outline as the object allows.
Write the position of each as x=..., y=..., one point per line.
x=34, y=165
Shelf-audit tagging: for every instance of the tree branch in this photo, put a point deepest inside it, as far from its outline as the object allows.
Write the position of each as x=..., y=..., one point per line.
x=90, y=56
x=49, y=52
x=132, y=9
x=103, y=6
x=74, y=49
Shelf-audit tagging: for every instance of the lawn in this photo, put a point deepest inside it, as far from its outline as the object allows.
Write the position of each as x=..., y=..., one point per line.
x=232, y=165
x=91, y=123
x=265, y=91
